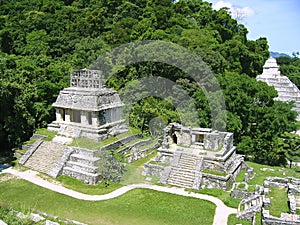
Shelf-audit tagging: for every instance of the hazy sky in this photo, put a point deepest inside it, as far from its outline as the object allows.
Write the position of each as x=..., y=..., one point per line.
x=277, y=20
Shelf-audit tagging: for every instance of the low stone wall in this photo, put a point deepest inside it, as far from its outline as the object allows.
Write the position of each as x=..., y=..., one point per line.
x=241, y=194
x=117, y=144
x=285, y=219
x=214, y=181
x=137, y=154
x=135, y=145
x=153, y=170
x=30, y=151
x=276, y=181
x=58, y=168
x=293, y=189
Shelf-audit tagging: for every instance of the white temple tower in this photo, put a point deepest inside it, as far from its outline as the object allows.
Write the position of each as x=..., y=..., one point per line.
x=286, y=89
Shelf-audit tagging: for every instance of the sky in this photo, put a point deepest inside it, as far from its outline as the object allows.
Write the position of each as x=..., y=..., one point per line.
x=277, y=20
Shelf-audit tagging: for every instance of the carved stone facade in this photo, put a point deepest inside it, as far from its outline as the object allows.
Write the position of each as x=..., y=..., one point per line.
x=87, y=108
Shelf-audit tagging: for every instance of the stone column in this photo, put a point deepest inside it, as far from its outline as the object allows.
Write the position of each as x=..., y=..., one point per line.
x=95, y=119
x=59, y=115
x=68, y=113
x=83, y=118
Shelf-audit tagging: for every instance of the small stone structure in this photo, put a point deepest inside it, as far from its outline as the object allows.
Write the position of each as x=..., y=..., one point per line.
x=287, y=90
x=87, y=108
x=196, y=158
x=259, y=201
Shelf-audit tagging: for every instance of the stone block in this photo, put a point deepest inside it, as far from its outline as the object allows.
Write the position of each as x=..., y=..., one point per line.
x=36, y=217
x=48, y=222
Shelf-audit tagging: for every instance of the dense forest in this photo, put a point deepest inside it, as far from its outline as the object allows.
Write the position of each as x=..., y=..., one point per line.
x=41, y=41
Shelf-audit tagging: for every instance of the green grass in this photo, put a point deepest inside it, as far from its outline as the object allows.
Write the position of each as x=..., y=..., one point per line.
x=232, y=220
x=241, y=176
x=242, y=186
x=279, y=201
x=90, y=144
x=136, y=207
x=80, y=186
x=133, y=171
x=214, y=172
x=130, y=143
x=260, y=176
x=159, y=163
x=222, y=195
x=258, y=218
x=9, y=217
x=43, y=131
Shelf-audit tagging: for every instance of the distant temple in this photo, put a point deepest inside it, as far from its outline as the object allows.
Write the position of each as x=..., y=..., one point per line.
x=87, y=108
x=287, y=90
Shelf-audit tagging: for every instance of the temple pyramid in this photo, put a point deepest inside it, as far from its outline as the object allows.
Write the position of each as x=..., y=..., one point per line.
x=287, y=90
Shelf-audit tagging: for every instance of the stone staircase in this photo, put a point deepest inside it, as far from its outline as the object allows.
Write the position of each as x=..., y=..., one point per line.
x=69, y=131
x=187, y=171
x=82, y=165
x=44, y=158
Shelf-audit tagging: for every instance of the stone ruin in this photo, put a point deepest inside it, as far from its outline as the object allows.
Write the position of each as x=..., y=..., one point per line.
x=196, y=158
x=87, y=108
x=286, y=89
x=260, y=201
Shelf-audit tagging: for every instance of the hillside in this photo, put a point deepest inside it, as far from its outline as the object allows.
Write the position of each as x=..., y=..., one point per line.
x=42, y=41
x=278, y=54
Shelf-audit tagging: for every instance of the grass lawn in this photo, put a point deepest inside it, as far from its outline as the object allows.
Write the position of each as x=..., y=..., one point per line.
x=133, y=171
x=279, y=201
x=80, y=186
x=137, y=207
x=223, y=195
x=232, y=220
x=272, y=171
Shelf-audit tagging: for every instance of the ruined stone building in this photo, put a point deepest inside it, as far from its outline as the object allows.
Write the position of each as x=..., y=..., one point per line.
x=87, y=108
x=287, y=90
x=196, y=158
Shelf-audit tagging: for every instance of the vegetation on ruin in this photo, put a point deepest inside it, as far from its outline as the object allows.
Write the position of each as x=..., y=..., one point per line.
x=215, y=172
x=42, y=41
x=138, y=206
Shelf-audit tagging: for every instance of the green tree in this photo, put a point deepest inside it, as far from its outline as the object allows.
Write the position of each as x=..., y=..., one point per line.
x=111, y=168
x=290, y=144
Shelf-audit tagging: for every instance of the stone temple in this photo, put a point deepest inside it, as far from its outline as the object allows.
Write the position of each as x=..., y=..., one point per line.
x=87, y=108
x=287, y=90
x=196, y=158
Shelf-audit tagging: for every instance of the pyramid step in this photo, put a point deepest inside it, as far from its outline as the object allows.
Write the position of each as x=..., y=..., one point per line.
x=89, y=178
x=86, y=152
x=82, y=167
x=90, y=161
x=181, y=183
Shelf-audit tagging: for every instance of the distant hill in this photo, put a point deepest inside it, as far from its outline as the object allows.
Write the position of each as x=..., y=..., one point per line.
x=277, y=54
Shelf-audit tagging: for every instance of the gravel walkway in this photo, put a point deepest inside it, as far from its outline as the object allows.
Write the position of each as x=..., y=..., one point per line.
x=221, y=214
